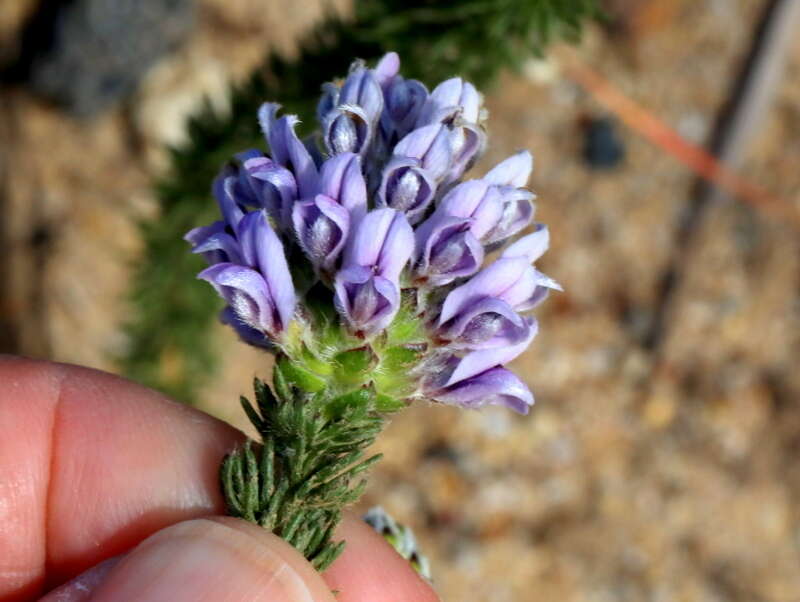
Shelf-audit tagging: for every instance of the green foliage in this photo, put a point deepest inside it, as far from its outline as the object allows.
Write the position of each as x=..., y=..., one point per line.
x=305, y=470
x=172, y=312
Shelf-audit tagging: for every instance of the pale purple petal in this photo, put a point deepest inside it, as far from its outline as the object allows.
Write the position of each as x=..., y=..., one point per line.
x=475, y=199
x=496, y=386
x=467, y=144
x=526, y=292
x=397, y=247
x=514, y=171
x=492, y=281
x=278, y=188
x=481, y=360
x=383, y=241
x=223, y=188
x=387, y=68
x=452, y=93
x=431, y=145
x=532, y=246
x=404, y=100
x=214, y=243
x=219, y=247
x=341, y=179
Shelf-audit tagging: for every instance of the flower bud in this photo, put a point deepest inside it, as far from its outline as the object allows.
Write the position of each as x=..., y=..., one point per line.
x=479, y=379
x=321, y=226
x=361, y=88
x=445, y=250
x=387, y=69
x=404, y=100
x=407, y=187
x=328, y=101
x=366, y=301
x=347, y=129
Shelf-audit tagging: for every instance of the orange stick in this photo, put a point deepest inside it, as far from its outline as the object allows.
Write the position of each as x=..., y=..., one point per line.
x=662, y=135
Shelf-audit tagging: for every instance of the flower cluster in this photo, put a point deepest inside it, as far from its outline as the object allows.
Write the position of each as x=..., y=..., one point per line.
x=369, y=217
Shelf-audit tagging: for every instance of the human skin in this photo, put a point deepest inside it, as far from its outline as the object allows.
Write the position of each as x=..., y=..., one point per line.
x=94, y=467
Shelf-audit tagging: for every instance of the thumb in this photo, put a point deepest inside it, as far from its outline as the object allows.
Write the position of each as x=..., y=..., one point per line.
x=204, y=559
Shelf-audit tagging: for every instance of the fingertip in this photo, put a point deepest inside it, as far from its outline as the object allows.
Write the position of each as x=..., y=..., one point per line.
x=369, y=569
x=212, y=559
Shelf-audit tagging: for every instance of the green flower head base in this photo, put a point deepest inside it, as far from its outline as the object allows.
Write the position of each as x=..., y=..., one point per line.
x=356, y=256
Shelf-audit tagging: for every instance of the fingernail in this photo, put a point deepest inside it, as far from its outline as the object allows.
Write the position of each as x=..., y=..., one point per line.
x=82, y=586
x=208, y=560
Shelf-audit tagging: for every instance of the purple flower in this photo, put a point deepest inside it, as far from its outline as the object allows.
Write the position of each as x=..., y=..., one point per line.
x=341, y=179
x=374, y=200
x=361, y=88
x=383, y=242
x=476, y=199
x=350, y=114
x=409, y=179
x=367, y=289
x=287, y=149
x=403, y=100
x=346, y=129
x=214, y=243
x=274, y=186
x=467, y=143
x=487, y=323
x=217, y=242
x=407, y=187
x=246, y=333
x=321, y=226
x=495, y=386
x=446, y=249
x=260, y=292
x=430, y=145
x=479, y=379
x=450, y=98
x=459, y=105
x=510, y=279
x=509, y=177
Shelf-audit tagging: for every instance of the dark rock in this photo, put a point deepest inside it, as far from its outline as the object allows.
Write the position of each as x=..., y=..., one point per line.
x=87, y=54
x=602, y=148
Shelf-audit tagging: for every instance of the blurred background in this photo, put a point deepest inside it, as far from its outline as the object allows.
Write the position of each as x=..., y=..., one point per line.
x=660, y=462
